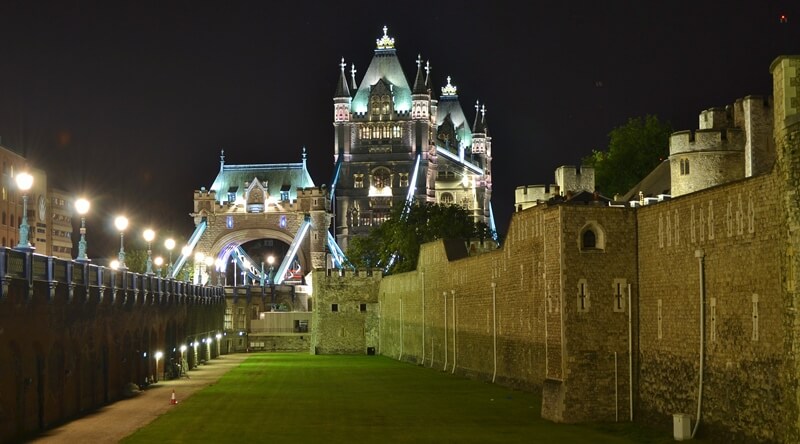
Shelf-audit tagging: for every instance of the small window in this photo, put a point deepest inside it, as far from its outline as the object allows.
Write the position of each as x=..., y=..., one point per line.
x=684, y=167
x=334, y=307
x=358, y=181
x=446, y=199
x=363, y=307
x=284, y=196
x=589, y=239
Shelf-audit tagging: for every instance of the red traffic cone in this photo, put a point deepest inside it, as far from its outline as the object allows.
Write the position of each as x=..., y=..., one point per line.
x=173, y=400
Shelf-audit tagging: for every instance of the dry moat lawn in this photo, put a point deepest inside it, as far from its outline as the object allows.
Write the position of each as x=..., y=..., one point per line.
x=293, y=397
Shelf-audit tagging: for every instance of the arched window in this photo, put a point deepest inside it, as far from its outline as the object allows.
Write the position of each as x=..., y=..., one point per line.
x=592, y=237
x=589, y=239
x=446, y=199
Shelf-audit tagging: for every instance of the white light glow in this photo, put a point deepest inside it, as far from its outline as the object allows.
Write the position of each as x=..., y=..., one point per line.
x=82, y=206
x=169, y=244
x=24, y=181
x=121, y=222
x=149, y=235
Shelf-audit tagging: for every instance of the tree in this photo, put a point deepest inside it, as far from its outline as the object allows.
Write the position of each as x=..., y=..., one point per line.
x=401, y=237
x=634, y=150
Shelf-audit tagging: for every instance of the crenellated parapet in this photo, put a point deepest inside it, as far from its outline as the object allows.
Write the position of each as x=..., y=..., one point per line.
x=725, y=139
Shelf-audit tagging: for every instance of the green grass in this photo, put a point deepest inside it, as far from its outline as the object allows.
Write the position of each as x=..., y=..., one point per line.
x=285, y=397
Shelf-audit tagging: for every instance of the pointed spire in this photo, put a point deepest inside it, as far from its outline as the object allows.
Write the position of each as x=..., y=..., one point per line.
x=304, y=155
x=419, y=83
x=477, y=111
x=428, y=69
x=353, y=75
x=341, y=87
x=483, y=120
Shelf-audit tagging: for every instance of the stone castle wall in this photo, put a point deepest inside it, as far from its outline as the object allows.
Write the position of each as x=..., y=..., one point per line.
x=346, y=311
x=737, y=234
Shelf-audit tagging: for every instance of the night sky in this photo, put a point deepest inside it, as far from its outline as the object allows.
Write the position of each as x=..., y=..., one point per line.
x=130, y=105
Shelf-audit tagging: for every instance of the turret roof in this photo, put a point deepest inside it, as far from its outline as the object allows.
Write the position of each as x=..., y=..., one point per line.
x=384, y=65
x=341, y=88
x=278, y=177
x=419, y=83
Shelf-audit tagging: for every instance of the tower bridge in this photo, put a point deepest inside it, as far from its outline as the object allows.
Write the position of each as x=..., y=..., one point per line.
x=246, y=203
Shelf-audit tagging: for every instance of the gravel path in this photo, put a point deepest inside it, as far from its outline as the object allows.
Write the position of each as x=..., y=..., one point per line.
x=116, y=421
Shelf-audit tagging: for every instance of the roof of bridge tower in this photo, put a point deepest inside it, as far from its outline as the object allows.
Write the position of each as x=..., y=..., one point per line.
x=449, y=104
x=277, y=177
x=384, y=65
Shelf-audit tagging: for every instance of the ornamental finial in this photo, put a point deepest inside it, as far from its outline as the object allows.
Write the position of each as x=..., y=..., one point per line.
x=385, y=42
x=483, y=111
x=477, y=105
x=450, y=89
x=343, y=64
x=419, y=61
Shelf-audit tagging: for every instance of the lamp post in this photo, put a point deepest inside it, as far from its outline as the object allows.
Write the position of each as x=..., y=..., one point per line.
x=271, y=262
x=199, y=261
x=24, y=183
x=82, y=207
x=209, y=264
x=158, y=357
x=159, y=261
x=121, y=222
x=186, y=251
x=219, y=263
x=182, y=370
x=149, y=235
x=169, y=244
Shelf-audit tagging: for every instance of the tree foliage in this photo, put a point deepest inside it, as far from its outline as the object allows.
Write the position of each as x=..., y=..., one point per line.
x=634, y=150
x=402, y=237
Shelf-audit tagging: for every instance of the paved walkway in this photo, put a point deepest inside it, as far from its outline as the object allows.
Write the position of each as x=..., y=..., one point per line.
x=116, y=421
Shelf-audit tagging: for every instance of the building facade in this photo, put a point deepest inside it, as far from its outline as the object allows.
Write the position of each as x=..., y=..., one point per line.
x=396, y=141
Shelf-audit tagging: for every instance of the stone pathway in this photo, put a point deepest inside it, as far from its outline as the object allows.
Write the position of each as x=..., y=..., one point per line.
x=114, y=422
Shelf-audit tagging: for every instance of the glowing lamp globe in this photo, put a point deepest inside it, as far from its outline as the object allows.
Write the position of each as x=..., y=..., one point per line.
x=82, y=206
x=24, y=181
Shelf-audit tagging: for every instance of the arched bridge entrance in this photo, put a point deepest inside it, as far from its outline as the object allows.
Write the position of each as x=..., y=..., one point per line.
x=245, y=203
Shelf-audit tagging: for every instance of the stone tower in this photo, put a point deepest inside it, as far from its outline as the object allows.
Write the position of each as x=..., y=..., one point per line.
x=394, y=143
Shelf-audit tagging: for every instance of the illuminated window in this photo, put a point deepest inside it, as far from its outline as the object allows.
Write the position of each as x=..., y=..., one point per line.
x=446, y=199
x=228, y=318
x=403, y=179
x=397, y=132
x=282, y=222
x=229, y=222
x=358, y=181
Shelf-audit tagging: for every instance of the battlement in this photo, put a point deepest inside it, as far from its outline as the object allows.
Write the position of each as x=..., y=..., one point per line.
x=203, y=194
x=716, y=118
x=726, y=139
x=347, y=274
x=529, y=195
x=746, y=109
x=570, y=178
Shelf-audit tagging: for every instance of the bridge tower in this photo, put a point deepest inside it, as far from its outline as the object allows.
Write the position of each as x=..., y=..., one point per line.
x=261, y=201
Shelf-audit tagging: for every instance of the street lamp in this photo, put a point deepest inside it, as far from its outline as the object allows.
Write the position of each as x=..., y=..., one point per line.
x=159, y=261
x=219, y=263
x=82, y=207
x=169, y=244
x=209, y=264
x=186, y=251
x=114, y=264
x=158, y=357
x=121, y=222
x=149, y=235
x=199, y=260
x=271, y=262
x=24, y=183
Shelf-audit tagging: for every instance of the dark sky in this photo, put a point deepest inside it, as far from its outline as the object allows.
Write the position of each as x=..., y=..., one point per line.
x=132, y=104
